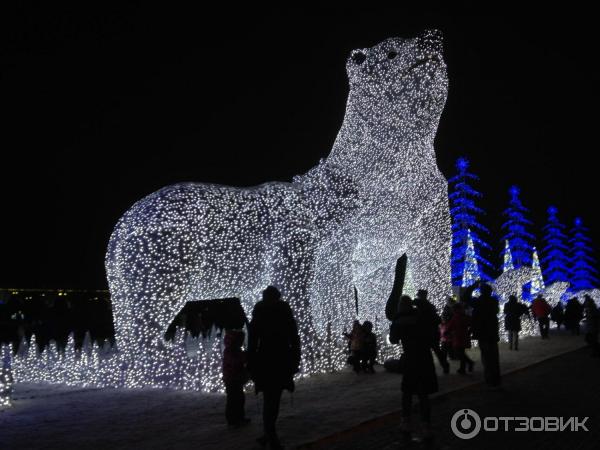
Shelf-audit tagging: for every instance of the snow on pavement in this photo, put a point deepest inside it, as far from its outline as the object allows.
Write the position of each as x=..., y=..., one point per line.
x=62, y=417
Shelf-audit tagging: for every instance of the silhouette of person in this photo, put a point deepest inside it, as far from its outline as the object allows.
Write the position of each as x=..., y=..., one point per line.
x=513, y=310
x=558, y=314
x=573, y=315
x=432, y=321
x=419, y=377
x=235, y=376
x=459, y=329
x=273, y=357
x=541, y=311
x=485, y=330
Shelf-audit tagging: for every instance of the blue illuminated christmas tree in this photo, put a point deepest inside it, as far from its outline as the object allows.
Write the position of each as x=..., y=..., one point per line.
x=516, y=230
x=583, y=266
x=465, y=226
x=555, y=262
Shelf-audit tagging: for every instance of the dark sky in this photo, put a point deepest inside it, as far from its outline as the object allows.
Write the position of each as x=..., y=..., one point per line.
x=102, y=107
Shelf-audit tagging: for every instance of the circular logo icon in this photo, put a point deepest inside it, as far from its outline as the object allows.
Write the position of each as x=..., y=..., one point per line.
x=465, y=423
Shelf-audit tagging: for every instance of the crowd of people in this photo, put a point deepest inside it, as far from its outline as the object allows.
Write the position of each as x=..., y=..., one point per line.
x=273, y=350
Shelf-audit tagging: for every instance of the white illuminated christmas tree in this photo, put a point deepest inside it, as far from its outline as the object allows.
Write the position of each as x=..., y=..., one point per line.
x=508, y=262
x=471, y=272
x=537, y=282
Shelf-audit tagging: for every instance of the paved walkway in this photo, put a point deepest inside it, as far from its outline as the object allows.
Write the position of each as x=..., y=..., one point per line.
x=60, y=417
x=564, y=386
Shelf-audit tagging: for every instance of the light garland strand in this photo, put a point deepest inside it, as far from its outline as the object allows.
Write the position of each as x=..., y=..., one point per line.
x=341, y=226
x=6, y=376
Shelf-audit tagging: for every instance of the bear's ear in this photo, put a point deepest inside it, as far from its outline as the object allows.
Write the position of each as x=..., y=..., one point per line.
x=357, y=57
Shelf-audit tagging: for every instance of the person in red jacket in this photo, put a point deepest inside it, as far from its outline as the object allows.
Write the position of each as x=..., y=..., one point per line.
x=541, y=311
x=459, y=331
x=235, y=376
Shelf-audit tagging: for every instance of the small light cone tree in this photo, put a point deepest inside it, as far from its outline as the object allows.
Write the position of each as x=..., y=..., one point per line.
x=583, y=265
x=515, y=227
x=507, y=263
x=537, y=282
x=471, y=272
x=465, y=227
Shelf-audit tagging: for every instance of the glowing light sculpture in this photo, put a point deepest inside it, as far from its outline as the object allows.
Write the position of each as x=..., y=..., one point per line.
x=342, y=225
x=554, y=292
x=555, y=260
x=583, y=272
x=511, y=282
x=465, y=226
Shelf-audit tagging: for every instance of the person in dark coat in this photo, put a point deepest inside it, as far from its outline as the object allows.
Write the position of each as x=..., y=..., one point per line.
x=513, y=310
x=273, y=357
x=541, y=311
x=573, y=315
x=235, y=376
x=557, y=315
x=432, y=320
x=485, y=330
x=419, y=377
x=459, y=330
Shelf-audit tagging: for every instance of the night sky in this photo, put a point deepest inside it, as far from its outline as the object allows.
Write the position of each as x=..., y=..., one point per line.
x=102, y=107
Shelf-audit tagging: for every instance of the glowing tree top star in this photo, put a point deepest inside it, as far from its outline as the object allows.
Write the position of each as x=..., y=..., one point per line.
x=583, y=265
x=555, y=261
x=465, y=225
x=515, y=227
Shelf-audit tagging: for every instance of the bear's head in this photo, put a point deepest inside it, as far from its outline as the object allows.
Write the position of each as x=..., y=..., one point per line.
x=404, y=80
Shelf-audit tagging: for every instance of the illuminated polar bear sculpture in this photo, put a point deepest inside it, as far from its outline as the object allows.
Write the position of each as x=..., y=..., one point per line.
x=342, y=225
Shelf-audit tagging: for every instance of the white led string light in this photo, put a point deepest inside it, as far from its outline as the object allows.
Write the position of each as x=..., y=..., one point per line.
x=6, y=377
x=554, y=292
x=342, y=225
x=537, y=281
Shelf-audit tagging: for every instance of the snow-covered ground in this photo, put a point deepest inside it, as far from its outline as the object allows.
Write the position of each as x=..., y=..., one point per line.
x=60, y=417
